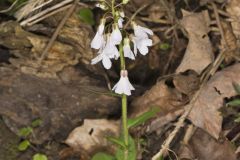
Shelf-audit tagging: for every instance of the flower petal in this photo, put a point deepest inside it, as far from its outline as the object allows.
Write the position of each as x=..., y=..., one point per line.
x=120, y=22
x=127, y=52
x=123, y=86
x=98, y=41
x=106, y=62
x=116, y=36
x=96, y=59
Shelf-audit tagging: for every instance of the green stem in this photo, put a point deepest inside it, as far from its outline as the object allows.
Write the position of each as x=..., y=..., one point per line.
x=124, y=105
x=124, y=97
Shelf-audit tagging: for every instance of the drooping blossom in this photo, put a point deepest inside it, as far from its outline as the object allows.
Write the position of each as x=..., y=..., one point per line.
x=123, y=86
x=140, y=31
x=107, y=52
x=127, y=49
x=116, y=35
x=98, y=40
x=140, y=39
x=141, y=44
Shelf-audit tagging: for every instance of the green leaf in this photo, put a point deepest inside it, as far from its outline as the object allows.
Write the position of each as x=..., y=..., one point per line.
x=132, y=152
x=237, y=87
x=161, y=158
x=39, y=156
x=119, y=142
x=102, y=156
x=234, y=103
x=164, y=46
x=36, y=123
x=24, y=132
x=24, y=145
x=142, y=118
x=86, y=15
x=237, y=120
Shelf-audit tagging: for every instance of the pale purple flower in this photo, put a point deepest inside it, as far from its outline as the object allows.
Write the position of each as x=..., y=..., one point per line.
x=127, y=49
x=120, y=22
x=116, y=35
x=123, y=86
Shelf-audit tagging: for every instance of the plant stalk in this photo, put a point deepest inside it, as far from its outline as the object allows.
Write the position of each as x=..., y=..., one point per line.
x=124, y=97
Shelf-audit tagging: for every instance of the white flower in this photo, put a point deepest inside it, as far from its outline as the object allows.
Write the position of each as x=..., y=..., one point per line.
x=106, y=53
x=98, y=40
x=141, y=31
x=110, y=49
x=105, y=60
x=123, y=86
x=120, y=22
x=127, y=50
x=116, y=35
x=141, y=44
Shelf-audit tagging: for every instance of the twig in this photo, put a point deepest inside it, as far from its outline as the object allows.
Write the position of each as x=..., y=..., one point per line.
x=49, y=14
x=10, y=8
x=42, y=5
x=63, y=3
x=134, y=15
x=161, y=21
x=55, y=34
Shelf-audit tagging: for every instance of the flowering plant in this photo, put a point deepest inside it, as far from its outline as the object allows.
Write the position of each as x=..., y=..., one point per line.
x=115, y=43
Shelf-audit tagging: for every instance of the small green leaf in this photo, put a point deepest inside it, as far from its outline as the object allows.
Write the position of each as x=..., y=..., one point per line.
x=117, y=141
x=234, y=103
x=161, y=158
x=132, y=152
x=164, y=46
x=39, y=156
x=102, y=156
x=36, y=123
x=237, y=87
x=237, y=120
x=142, y=118
x=24, y=132
x=86, y=15
x=24, y=145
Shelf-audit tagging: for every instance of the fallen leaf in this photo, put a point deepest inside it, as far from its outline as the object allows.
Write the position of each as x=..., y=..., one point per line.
x=160, y=95
x=205, y=113
x=202, y=147
x=199, y=52
x=233, y=8
x=167, y=99
x=92, y=135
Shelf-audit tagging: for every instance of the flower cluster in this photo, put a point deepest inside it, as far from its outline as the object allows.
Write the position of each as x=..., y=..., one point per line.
x=107, y=45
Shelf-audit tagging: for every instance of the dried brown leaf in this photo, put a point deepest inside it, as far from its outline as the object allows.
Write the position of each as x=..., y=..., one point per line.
x=205, y=113
x=202, y=147
x=233, y=8
x=199, y=52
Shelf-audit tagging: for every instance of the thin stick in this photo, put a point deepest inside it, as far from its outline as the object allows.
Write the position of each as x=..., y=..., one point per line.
x=49, y=14
x=134, y=15
x=54, y=36
x=10, y=8
x=42, y=5
x=25, y=22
